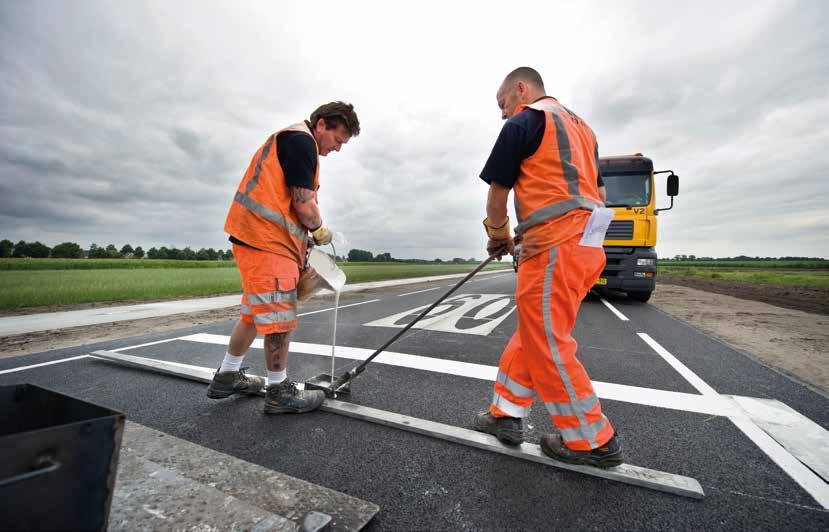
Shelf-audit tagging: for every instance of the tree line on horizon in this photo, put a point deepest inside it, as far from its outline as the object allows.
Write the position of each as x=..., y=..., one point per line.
x=72, y=250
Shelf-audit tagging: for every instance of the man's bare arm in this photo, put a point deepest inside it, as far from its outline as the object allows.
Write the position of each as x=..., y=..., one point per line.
x=304, y=203
x=603, y=194
x=496, y=204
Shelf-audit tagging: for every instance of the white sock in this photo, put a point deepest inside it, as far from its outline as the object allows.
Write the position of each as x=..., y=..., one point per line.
x=231, y=363
x=275, y=377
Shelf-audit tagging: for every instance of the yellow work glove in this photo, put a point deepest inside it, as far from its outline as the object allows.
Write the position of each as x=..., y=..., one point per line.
x=500, y=240
x=322, y=236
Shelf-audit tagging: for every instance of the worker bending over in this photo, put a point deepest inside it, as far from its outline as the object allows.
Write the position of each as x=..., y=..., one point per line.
x=272, y=215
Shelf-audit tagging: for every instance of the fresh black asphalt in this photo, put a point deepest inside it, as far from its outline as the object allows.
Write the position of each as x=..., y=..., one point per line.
x=422, y=483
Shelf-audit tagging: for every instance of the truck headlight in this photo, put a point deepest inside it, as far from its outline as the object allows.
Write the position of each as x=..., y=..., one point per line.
x=646, y=262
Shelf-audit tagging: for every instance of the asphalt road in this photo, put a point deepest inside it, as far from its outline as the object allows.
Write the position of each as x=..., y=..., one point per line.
x=422, y=483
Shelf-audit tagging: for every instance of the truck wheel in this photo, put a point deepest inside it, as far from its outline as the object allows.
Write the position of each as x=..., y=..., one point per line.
x=639, y=296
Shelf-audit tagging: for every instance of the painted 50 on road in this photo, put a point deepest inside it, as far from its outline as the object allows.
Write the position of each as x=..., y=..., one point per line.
x=476, y=314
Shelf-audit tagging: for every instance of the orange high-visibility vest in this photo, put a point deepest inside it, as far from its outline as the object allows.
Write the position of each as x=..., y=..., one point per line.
x=557, y=184
x=261, y=213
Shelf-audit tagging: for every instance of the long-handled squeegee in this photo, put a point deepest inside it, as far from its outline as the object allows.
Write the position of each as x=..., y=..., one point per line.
x=342, y=383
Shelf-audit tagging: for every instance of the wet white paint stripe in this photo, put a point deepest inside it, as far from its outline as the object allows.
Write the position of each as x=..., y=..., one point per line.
x=23, y=368
x=419, y=291
x=614, y=310
x=802, y=475
x=341, y=307
x=686, y=402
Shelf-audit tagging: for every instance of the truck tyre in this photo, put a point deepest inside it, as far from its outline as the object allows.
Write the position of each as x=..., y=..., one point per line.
x=640, y=296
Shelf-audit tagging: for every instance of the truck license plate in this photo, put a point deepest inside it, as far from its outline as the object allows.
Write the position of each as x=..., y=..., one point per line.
x=602, y=280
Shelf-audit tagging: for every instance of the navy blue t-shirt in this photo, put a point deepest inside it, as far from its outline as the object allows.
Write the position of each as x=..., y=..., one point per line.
x=519, y=138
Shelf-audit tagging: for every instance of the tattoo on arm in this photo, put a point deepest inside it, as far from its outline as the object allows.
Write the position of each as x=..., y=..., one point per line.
x=301, y=195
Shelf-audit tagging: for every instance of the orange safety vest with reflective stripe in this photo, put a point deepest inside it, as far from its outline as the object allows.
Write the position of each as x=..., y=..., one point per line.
x=556, y=187
x=261, y=213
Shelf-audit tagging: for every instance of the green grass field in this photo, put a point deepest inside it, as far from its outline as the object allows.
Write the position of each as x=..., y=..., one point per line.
x=109, y=264
x=748, y=264
x=808, y=277
x=67, y=285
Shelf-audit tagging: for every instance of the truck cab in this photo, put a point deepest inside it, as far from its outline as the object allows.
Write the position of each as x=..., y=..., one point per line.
x=630, y=241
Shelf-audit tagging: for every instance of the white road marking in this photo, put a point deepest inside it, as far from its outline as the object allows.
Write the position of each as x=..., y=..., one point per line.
x=719, y=406
x=144, y=345
x=477, y=314
x=805, y=477
x=419, y=291
x=43, y=364
x=341, y=306
x=681, y=368
x=614, y=310
x=23, y=368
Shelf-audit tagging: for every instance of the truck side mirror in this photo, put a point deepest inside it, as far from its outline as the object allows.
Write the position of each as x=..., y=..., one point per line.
x=673, y=185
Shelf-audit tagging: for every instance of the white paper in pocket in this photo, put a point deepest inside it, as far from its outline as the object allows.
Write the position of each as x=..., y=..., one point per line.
x=597, y=227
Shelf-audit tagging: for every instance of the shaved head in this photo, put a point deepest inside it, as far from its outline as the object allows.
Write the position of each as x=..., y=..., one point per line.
x=521, y=86
x=525, y=74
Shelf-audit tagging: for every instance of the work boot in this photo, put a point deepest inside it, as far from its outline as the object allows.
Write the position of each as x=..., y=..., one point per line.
x=227, y=383
x=286, y=398
x=508, y=430
x=608, y=455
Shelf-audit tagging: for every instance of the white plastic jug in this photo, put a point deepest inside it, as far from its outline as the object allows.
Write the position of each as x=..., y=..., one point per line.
x=325, y=266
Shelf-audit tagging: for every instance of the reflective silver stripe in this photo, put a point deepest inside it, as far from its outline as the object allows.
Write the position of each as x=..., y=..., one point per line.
x=254, y=180
x=517, y=389
x=584, y=432
x=551, y=341
x=272, y=216
x=571, y=175
x=565, y=155
x=274, y=317
x=508, y=407
x=244, y=199
x=554, y=210
x=245, y=309
x=581, y=406
x=272, y=297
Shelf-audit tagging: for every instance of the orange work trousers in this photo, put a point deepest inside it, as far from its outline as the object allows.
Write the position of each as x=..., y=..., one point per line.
x=269, y=289
x=540, y=359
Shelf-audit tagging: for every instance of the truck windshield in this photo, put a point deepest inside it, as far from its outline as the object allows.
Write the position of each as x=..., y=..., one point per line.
x=627, y=190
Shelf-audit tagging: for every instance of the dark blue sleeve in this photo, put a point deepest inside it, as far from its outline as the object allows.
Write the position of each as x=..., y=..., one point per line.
x=519, y=138
x=297, y=155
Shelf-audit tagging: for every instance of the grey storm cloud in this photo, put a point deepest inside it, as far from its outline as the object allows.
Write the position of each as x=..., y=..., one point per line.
x=133, y=122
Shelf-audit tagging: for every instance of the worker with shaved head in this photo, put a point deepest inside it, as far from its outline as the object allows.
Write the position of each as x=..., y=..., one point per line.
x=548, y=157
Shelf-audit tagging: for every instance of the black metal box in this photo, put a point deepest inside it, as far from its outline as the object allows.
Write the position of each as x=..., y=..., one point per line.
x=58, y=459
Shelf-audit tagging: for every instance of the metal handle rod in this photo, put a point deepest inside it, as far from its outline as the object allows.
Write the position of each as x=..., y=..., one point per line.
x=45, y=465
x=359, y=369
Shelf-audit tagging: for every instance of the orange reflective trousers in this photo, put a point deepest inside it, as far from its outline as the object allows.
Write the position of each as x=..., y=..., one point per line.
x=540, y=359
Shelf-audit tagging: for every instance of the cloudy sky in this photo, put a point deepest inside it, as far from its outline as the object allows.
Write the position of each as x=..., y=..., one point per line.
x=132, y=122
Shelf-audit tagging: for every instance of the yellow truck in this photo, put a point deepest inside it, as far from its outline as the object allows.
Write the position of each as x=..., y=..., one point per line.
x=630, y=241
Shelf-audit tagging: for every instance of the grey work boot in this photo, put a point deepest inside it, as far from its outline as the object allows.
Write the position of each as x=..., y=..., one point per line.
x=227, y=383
x=608, y=455
x=508, y=430
x=286, y=398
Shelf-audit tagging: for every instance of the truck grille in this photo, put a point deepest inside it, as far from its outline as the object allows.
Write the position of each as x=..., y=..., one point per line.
x=620, y=230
